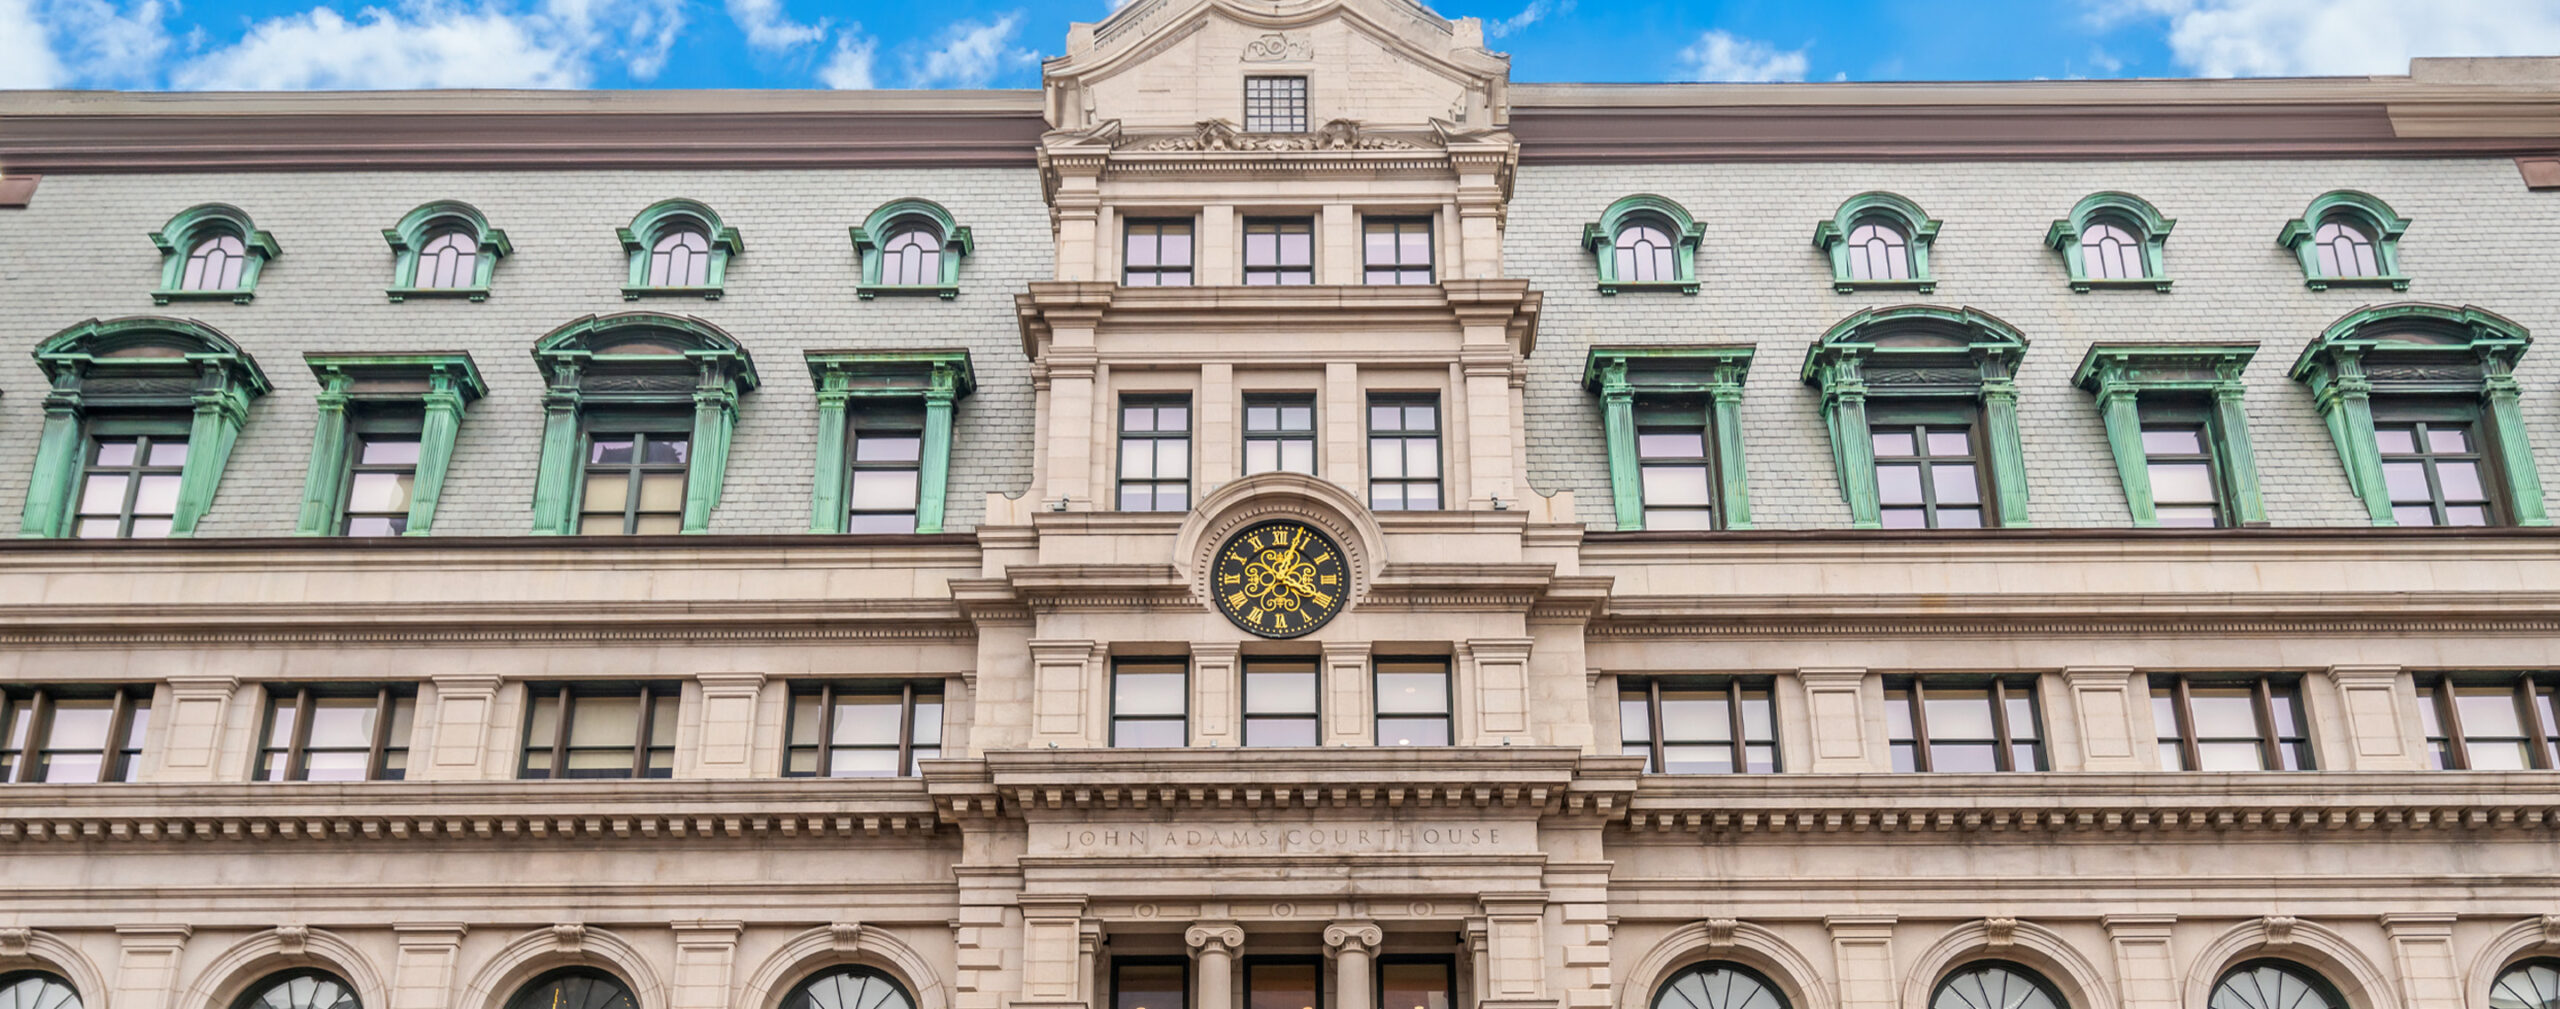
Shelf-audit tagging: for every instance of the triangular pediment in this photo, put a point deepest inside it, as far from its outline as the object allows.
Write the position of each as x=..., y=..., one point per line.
x=1164, y=64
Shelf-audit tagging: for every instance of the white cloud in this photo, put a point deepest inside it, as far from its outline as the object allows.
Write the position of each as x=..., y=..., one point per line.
x=850, y=67
x=971, y=55
x=26, y=56
x=102, y=44
x=1538, y=10
x=636, y=33
x=1723, y=56
x=381, y=49
x=2248, y=38
x=770, y=28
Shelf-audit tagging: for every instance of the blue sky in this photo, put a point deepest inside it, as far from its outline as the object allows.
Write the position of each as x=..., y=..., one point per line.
x=289, y=44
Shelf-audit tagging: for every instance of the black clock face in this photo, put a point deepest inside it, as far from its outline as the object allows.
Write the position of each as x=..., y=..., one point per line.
x=1279, y=579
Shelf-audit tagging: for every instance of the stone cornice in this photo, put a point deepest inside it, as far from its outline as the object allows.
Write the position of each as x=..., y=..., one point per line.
x=1250, y=311
x=453, y=623
x=1535, y=780
x=1722, y=806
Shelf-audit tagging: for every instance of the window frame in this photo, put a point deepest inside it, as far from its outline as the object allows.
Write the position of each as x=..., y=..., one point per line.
x=2138, y=386
x=700, y=373
x=640, y=240
x=910, y=693
x=2272, y=747
x=1279, y=269
x=1313, y=716
x=296, y=753
x=119, y=753
x=1170, y=664
x=363, y=430
x=2368, y=214
x=1685, y=234
x=1281, y=436
x=1181, y=963
x=191, y=377
x=2142, y=223
x=1245, y=968
x=1624, y=375
x=1737, y=691
x=642, y=428
x=420, y=228
x=1907, y=358
x=2520, y=965
x=2034, y=978
x=1190, y=267
x=254, y=996
x=871, y=240
x=846, y=380
x=2536, y=695
x=644, y=744
x=2311, y=978
x=1430, y=266
x=430, y=391
x=177, y=241
x=145, y=434
x=1155, y=481
x=1379, y=963
x=1919, y=231
x=2420, y=416
x=1915, y=692
x=2415, y=356
x=1445, y=666
x=2184, y=418
x=1918, y=419
x=1273, y=121
x=1403, y=437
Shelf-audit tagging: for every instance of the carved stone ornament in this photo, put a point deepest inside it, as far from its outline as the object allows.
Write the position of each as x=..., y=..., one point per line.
x=1999, y=933
x=2280, y=929
x=292, y=940
x=1221, y=135
x=2550, y=931
x=1720, y=932
x=14, y=941
x=1278, y=47
x=845, y=936
x=570, y=937
x=1222, y=938
x=1353, y=937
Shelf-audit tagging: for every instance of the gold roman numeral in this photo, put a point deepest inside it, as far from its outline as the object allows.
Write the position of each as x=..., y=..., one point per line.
x=1326, y=579
x=1322, y=600
x=1237, y=599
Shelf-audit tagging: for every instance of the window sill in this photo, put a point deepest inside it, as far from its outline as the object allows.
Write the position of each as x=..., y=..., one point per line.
x=400, y=294
x=637, y=293
x=945, y=292
x=1924, y=285
x=2395, y=283
x=1645, y=286
x=238, y=297
x=2085, y=285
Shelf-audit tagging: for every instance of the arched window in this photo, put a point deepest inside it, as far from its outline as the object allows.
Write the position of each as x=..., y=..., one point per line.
x=451, y=259
x=215, y=264
x=680, y=257
x=2273, y=984
x=1995, y=986
x=2345, y=250
x=2111, y=253
x=299, y=989
x=1877, y=251
x=1644, y=252
x=35, y=989
x=2533, y=984
x=574, y=988
x=1717, y=985
x=848, y=988
x=913, y=255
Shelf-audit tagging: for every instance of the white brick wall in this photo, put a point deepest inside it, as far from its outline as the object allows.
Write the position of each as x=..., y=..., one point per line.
x=80, y=251
x=2479, y=238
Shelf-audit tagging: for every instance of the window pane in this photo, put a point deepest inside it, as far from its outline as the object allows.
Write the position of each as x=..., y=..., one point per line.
x=887, y=522
x=609, y=450
x=389, y=452
x=1715, y=758
x=1898, y=484
x=2396, y=440
x=1147, y=694
x=1413, y=731
x=1413, y=986
x=2407, y=480
x=1422, y=498
x=1959, y=518
x=665, y=451
x=1904, y=518
x=2460, y=481
x=157, y=495
x=605, y=721
x=887, y=448
x=928, y=720
x=1173, y=458
x=118, y=452
x=863, y=763
x=1282, y=985
x=1950, y=443
x=2487, y=713
x=2466, y=515
x=1675, y=485
x=342, y=722
x=884, y=490
x=379, y=492
x=2181, y=483
x=1279, y=693
x=168, y=452
x=870, y=719
x=103, y=494
x=1683, y=445
x=2419, y=515
x=80, y=723
x=2172, y=441
x=1148, y=986
x=1963, y=757
x=1696, y=716
x=1959, y=714
x=2450, y=440
x=2224, y=711
x=661, y=492
x=1168, y=732
x=2232, y=756
x=1955, y=484
x=1413, y=693
x=1174, y=249
x=1679, y=520
x=1298, y=456
x=1279, y=731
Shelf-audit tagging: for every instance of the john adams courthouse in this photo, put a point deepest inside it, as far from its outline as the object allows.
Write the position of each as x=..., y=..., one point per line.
x=1285, y=517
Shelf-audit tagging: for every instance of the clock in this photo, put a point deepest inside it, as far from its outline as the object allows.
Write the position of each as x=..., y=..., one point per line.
x=1279, y=578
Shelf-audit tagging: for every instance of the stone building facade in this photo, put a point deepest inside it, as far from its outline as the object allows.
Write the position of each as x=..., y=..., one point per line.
x=1285, y=517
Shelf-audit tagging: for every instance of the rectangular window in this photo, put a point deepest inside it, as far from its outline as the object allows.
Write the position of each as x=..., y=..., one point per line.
x=1284, y=982
x=1150, y=982
x=1155, y=453
x=862, y=729
x=886, y=442
x=635, y=480
x=1404, y=452
x=337, y=732
x=1413, y=702
x=2230, y=724
x=1275, y=105
x=1158, y=254
x=1279, y=253
x=1150, y=702
x=72, y=735
x=1927, y=476
x=1674, y=464
x=2434, y=470
x=594, y=730
x=1409, y=981
x=1397, y=250
x=2179, y=456
x=1280, y=702
x=1963, y=724
x=129, y=490
x=2491, y=722
x=382, y=470
x=1279, y=434
x=1698, y=725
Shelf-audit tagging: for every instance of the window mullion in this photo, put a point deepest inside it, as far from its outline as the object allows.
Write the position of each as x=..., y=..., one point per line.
x=2449, y=708
x=119, y=723
x=826, y=730
x=1653, y=712
x=1919, y=722
x=2188, y=746
x=640, y=736
x=2534, y=728
x=39, y=725
x=906, y=726
x=1733, y=708
x=133, y=487
x=383, y=705
x=296, y=760
x=2001, y=759
x=560, y=734
x=2273, y=758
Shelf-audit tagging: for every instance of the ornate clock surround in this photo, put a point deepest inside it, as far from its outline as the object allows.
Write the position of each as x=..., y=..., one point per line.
x=1265, y=496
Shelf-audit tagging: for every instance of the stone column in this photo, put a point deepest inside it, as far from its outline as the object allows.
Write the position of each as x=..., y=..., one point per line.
x=1863, y=949
x=1494, y=672
x=1213, y=419
x=1213, y=947
x=2422, y=949
x=1351, y=944
x=147, y=968
x=1062, y=679
x=1344, y=420
x=728, y=724
x=2146, y=973
x=1515, y=947
x=705, y=953
x=1052, y=951
x=422, y=977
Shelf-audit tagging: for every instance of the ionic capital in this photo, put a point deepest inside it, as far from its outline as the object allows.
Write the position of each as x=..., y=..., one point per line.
x=1352, y=937
x=1223, y=937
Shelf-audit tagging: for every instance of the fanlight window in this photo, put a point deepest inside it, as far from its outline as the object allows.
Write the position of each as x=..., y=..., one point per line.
x=2534, y=985
x=1644, y=253
x=1878, y=251
x=32, y=989
x=848, y=988
x=574, y=988
x=301, y=989
x=215, y=264
x=450, y=259
x=2110, y=252
x=912, y=256
x=2345, y=251
x=681, y=257
x=1994, y=986
x=1718, y=986
x=2267, y=984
